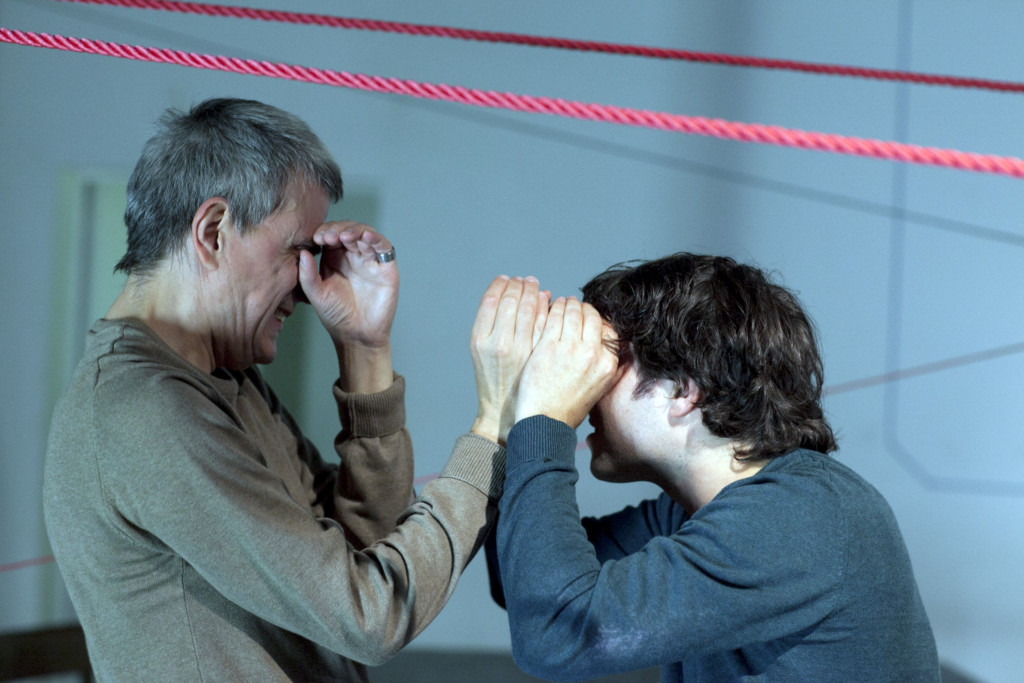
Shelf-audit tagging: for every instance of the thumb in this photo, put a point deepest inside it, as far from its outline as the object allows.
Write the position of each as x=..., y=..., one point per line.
x=309, y=275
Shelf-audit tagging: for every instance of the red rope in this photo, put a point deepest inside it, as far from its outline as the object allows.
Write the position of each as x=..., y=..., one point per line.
x=745, y=132
x=561, y=43
x=25, y=564
x=925, y=369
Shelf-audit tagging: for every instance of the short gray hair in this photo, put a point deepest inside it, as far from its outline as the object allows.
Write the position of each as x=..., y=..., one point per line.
x=245, y=151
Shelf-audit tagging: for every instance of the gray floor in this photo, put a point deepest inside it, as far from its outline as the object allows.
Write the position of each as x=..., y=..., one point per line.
x=433, y=666
x=47, y=655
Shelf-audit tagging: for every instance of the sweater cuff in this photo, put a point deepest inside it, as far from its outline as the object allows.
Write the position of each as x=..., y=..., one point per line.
x=541, y=438
x=372, y=415
x=479, y=462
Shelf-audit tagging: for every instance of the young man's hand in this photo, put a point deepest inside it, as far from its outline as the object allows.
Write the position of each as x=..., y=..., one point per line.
x=572, y=366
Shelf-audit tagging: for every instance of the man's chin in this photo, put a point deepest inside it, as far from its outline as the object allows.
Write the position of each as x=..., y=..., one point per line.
x=608, y=467
x=267, y=352
x=601, y=465
x=265, y=359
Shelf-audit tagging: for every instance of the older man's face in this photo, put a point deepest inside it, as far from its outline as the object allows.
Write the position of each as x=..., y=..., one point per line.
x=264, y=276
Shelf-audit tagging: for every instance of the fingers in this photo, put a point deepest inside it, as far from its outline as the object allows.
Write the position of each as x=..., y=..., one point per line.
x=569, y=318
x=352, y=236
x=486, y=312
x=508, y=306
x=593, y=325
x=335, y=233
x=571, y=367
x=532, y=305
x=572, y=323
x=500, y=343
x=518, y=307
x=512, y=306
x=367, y=242
x=565, y=319
x=543, y=304
x=553, y=324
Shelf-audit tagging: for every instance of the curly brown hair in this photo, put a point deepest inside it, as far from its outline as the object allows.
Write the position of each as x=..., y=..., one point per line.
x=744, y=341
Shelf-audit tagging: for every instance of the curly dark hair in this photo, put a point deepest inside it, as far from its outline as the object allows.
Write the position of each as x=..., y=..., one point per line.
x=744, y=341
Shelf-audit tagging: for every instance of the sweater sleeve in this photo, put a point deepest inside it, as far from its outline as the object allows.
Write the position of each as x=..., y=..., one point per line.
x=731, y=574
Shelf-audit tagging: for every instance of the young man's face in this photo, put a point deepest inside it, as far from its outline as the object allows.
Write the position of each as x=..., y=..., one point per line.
x=264, y=277
x=628, y=430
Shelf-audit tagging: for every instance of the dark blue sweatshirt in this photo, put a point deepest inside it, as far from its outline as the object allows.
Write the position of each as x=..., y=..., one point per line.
x=798, y=573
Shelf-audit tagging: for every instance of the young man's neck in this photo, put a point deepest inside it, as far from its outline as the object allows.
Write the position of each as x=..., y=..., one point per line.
x=707, y=467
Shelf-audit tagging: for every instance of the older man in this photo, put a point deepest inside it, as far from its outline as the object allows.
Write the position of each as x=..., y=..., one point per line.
x=201, y=536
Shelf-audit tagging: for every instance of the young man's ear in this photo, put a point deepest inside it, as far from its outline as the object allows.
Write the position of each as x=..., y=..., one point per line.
x=210, y=224
x=685, y=398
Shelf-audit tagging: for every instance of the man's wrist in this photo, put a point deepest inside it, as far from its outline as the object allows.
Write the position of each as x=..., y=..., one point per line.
x=487, y=427
x=539, y=437
x=364, y=369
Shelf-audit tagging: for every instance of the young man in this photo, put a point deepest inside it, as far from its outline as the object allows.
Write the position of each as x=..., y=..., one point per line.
x=764, y=559
x=200, y=535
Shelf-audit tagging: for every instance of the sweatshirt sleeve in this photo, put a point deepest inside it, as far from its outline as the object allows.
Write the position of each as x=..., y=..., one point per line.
x=374, y=479
x=625, y=532
x=613, y=536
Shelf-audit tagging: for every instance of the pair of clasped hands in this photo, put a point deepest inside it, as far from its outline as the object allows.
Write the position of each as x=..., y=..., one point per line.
x=534, y=356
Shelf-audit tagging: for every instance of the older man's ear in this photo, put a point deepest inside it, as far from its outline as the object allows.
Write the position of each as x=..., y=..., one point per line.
x=208, y=231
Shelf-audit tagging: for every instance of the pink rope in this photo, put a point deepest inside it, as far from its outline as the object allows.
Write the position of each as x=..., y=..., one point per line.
x=745, y=132
x=560, y=43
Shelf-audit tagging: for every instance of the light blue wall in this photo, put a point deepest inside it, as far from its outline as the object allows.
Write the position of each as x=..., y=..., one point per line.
x=901, y=266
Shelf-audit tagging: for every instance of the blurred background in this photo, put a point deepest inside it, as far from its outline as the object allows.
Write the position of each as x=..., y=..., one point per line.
x=909, y=272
